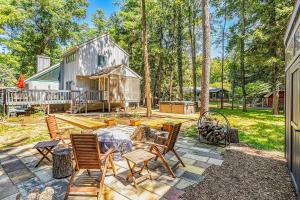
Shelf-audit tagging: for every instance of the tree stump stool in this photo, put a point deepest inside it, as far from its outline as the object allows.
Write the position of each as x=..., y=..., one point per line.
x=62, y=163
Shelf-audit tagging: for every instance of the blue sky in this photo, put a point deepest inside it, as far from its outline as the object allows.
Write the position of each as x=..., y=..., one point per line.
x=106, y=5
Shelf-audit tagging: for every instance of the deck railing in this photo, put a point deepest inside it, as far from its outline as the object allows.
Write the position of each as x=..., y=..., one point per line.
x=40, y=97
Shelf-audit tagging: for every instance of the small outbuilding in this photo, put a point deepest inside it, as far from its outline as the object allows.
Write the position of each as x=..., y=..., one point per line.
x=268, y=99
x=292, y=97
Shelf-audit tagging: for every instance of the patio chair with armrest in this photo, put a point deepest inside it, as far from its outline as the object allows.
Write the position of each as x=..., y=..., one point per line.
x=54, y=132
x=165, y=145
x=87, y=155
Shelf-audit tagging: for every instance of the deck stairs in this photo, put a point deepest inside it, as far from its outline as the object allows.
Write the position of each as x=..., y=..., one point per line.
x=79, y=103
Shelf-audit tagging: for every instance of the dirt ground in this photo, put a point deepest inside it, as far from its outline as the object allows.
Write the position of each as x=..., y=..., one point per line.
x=22, y=130
x=246, y=173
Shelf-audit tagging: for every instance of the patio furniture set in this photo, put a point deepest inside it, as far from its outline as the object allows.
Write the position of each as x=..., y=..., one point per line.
x=98, y=149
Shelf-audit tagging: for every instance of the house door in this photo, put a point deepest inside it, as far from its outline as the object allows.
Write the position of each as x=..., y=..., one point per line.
x=295, y=125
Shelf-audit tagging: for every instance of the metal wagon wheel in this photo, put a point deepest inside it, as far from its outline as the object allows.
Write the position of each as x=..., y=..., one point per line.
x=219, y=119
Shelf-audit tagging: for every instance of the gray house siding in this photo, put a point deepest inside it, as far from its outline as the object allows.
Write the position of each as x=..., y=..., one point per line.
x=86, y=62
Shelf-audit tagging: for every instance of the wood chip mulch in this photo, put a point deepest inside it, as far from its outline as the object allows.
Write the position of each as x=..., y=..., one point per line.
x=245, y=174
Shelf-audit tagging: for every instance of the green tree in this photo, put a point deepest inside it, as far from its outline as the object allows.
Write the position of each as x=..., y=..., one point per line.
x=45, y=27
x=100, y=21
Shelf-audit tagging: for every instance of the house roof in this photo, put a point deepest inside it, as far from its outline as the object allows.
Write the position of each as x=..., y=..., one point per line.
x=76, y=47
x=216, y=89
x=211, y=89
x=44, y=71
x=110, y=70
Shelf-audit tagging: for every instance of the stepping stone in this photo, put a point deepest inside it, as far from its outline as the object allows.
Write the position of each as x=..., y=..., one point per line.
x=206, y=154
x=20, y=175
x=185, y=160
x=12, y=197
x=24, y=154
x=173, y=194
x=182, y=184
x=29, y=159
x=13, y=166
x=45, y=175
x=6, y=187
x=30, y=185
x=126, y=189
x=201, y=164
x=215, y=161
x=201, y=149
x=155, y=186
x=196, y=157
x=166, y=179
x=6, y=157
x=193, y=169
x=192, y=177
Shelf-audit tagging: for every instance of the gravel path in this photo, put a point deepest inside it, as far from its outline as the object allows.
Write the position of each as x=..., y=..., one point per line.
x=245, y=174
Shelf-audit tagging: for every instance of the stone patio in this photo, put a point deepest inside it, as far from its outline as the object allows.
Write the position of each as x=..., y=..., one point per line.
x=19, y=177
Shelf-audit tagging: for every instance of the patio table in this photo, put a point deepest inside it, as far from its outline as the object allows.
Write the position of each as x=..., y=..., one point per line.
x=44, y=148
x=117, y=137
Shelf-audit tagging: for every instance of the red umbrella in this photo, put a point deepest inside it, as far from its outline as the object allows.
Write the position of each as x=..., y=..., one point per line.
x=21, y=81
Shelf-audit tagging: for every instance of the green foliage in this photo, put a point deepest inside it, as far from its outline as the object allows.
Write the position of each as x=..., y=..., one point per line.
x=100, y=21
x=30, y=28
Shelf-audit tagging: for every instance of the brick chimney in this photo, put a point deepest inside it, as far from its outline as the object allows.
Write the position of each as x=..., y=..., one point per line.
x=42, y=62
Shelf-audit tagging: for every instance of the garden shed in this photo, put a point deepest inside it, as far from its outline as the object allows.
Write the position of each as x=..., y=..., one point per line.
x=292, y=103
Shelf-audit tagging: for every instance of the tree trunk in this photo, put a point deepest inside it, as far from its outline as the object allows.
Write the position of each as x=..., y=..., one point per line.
x=62, y=163
x=275, y=71
x=193, y=50
x=146, y=64
x=223, y=53
x=232, y=98
x=206, y=57
x=242, y=56
x=171, y=84
x=179, y=51
x=275, y=106
x=160, y=66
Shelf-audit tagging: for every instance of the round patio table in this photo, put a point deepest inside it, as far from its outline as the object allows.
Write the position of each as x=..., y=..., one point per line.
x=117, y=137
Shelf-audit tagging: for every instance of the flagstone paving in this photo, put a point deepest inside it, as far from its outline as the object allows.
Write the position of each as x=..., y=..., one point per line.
x=19, y=177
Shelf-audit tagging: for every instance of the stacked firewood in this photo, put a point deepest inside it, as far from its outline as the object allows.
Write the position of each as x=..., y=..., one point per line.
x=212, y=131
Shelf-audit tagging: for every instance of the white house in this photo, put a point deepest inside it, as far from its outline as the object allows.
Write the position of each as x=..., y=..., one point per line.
x=98, y=67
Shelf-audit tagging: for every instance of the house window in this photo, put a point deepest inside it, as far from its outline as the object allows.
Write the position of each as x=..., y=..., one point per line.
x=297, y=41
x=289, y=52
x=102, y=60
x=71, y=58
x=68, y=85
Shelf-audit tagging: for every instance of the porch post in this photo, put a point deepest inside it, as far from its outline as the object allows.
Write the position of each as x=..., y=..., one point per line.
x=108, y=93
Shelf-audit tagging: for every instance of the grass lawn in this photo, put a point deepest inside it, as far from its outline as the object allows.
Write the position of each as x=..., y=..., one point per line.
x=258, y=128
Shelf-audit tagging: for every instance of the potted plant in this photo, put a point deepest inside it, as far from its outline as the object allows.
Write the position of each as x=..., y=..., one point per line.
x=110, y=121
x=135, y=120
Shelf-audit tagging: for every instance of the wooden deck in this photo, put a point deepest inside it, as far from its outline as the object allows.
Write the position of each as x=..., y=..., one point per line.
x=45, y=97
x=82, y=122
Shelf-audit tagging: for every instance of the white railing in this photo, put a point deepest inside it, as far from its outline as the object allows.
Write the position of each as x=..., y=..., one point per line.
x=132, y=96
x=31, y=97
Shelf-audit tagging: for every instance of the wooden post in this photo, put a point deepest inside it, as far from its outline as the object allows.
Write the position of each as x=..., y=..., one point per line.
x=108, y=98
x=48, y=109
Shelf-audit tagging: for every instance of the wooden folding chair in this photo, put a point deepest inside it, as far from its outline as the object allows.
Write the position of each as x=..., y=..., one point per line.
x=87, y=155
x=54, y=132
x=167, y=144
